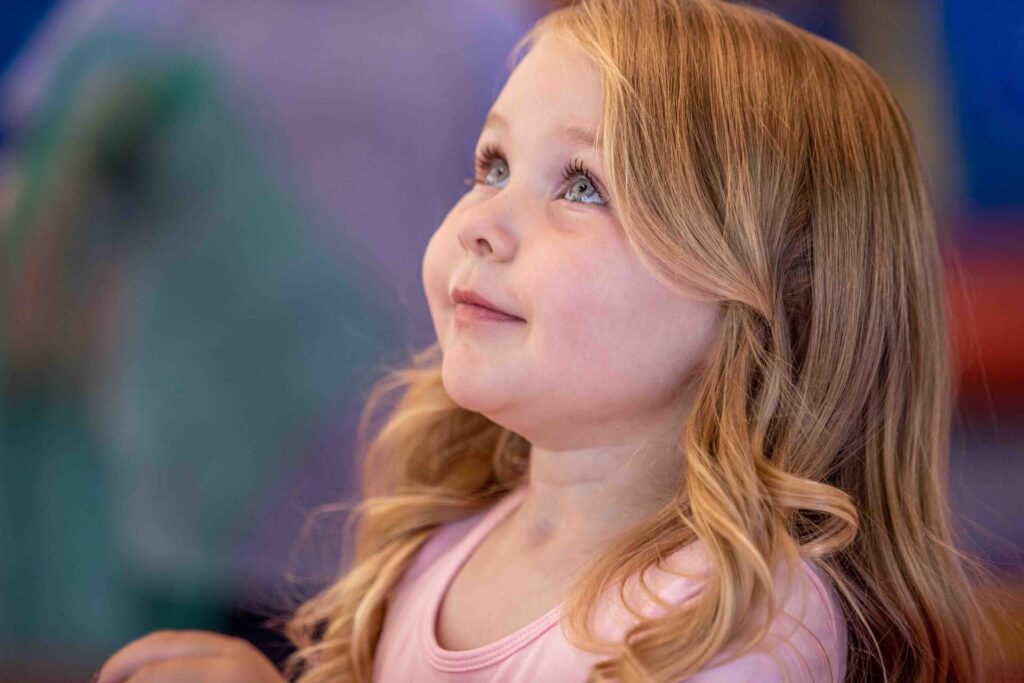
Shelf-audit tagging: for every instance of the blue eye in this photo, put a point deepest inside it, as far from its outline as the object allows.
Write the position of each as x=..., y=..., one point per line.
x=491, y=169
x=580, y=176
x=499, y=172
x=485, y=165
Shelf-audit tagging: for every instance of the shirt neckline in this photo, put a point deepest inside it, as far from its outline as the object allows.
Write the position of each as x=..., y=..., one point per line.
x=485, y=655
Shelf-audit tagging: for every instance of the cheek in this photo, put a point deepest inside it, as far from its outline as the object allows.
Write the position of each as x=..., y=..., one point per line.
x=585, y=317
x=437, y=265
x=604, y=335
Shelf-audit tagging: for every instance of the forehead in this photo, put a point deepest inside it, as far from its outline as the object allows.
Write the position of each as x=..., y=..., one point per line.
x=555, y=88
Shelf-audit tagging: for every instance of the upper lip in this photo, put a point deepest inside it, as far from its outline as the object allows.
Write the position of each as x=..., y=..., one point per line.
x=468, y=296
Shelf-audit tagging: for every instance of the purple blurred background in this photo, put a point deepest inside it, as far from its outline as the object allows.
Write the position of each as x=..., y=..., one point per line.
x=212, y=218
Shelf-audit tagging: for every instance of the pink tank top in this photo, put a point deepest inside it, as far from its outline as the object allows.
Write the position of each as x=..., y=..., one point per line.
x=808, y=639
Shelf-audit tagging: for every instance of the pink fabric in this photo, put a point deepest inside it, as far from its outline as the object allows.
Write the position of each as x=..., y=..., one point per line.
x=810, y=646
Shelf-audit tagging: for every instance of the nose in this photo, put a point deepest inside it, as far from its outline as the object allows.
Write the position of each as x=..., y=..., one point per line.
x=486, y=229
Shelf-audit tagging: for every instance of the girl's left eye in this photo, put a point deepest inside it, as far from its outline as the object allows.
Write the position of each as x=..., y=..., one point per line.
x=582, y=185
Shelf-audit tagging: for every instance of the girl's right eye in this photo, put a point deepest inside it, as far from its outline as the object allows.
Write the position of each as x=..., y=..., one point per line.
x=491, y=168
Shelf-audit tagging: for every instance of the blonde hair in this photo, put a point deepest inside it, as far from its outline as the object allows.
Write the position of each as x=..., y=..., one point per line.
x=775, y=171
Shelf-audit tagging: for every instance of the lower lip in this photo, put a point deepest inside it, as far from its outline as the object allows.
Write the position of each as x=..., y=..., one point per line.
x=471, y=312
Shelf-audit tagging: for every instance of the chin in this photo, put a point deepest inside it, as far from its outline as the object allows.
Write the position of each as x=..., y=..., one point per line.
x=473, y=391
x=469, y=392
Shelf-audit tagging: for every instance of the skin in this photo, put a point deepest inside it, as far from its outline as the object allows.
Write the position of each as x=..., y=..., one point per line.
x=596, y=375
x=188, y=657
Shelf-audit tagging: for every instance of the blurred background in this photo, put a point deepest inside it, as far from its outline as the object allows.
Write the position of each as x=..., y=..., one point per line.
x=212, y=217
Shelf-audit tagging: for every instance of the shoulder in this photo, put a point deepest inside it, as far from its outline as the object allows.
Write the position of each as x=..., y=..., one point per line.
x=806, y=642
x=443, y=538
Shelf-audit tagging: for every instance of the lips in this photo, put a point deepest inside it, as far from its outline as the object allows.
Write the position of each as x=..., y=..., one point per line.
x=468, y=296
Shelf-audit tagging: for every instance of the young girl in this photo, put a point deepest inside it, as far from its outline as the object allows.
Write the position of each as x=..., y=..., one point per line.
x=688, y=410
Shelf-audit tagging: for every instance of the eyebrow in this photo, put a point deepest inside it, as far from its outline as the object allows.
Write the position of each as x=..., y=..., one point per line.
x=580, y=136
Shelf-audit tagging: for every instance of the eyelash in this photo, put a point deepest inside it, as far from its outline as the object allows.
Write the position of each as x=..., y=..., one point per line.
x=490, y=153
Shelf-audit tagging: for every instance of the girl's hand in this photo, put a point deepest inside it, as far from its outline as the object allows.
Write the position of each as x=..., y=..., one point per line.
x=188, y=657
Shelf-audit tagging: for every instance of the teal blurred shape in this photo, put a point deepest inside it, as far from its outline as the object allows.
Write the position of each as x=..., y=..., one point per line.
x=128, y=477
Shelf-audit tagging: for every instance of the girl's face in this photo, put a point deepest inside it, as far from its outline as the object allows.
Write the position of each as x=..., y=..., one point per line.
x=602, y=349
